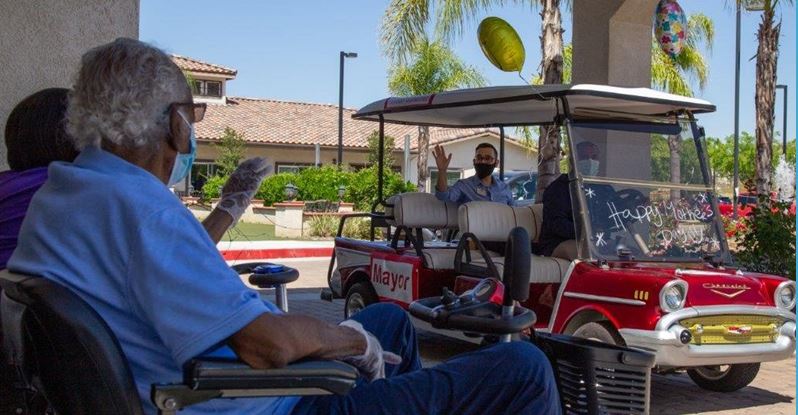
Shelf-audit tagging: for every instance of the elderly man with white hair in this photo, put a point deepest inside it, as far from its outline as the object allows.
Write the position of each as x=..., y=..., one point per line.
x=107, y=227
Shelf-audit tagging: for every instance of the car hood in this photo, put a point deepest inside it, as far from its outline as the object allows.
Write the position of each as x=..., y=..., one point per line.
x=707, y=286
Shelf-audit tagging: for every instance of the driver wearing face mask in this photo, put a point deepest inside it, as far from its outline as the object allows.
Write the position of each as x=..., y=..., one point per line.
x=482, y=186
x=558, y=235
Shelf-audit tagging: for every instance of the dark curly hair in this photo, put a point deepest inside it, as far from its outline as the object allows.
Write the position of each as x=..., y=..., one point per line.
x=35, y=131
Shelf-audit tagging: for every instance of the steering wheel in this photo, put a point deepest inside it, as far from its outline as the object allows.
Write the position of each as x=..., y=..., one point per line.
x=631, y=198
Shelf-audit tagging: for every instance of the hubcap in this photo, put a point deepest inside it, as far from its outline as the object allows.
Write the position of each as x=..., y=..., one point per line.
x=713, y=372
x=354, y=304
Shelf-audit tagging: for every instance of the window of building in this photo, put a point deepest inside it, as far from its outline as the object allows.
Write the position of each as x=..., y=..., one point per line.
x=206, y=88
x=451, y=177
x=291, y=168
x=200, y=172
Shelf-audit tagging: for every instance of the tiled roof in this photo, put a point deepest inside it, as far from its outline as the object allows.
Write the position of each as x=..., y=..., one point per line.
x=284, y=122
x=193, y=65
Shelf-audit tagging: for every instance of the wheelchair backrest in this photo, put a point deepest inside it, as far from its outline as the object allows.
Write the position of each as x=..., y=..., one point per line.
x=66, y=347
x=492, y=222
x=421, y=210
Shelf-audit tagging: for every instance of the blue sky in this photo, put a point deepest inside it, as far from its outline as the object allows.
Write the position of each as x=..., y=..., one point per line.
x=288, y=50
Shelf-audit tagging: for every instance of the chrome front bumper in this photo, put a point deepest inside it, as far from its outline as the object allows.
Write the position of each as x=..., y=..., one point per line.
x=671, y=352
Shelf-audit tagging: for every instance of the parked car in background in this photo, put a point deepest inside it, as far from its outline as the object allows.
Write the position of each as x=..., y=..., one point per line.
x=523, y=184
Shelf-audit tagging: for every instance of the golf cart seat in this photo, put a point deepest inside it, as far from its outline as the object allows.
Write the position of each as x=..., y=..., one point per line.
x=411, y=213
x=61, y=347
x=492, y=222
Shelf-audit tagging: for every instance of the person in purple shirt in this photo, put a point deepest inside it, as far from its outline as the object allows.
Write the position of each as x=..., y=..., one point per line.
x=35, y=136
x=481, y=186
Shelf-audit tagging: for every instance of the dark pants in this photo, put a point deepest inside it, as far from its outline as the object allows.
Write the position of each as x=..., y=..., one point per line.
x=506, y=378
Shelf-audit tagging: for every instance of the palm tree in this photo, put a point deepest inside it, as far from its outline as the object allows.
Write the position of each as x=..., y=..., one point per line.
x=433, y=67
x=766, y=58
x=404, y=23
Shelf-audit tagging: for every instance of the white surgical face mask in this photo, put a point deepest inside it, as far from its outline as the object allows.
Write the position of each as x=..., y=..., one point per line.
x=588, y=167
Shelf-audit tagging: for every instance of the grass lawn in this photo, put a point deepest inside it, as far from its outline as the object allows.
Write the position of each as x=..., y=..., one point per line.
x=250, y=232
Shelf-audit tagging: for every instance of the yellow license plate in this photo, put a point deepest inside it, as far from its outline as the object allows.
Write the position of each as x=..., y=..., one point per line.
x=733, y=329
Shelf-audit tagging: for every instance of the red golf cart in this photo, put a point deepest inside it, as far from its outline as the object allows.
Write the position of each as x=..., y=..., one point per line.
x=653, y=269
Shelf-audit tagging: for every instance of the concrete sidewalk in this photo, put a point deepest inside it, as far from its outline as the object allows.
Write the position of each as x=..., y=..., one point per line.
x=250, y=250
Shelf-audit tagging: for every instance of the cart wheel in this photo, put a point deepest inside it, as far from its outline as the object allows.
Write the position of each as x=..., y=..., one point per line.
x=724, y=378
x=360, y=296
x=601, y=331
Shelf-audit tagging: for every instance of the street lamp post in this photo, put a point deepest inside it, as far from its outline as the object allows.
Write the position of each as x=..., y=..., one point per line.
x=784, y=120
x=343, y=55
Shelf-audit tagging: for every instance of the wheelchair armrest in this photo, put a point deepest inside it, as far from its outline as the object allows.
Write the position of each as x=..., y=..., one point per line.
x=207, y=379
x=325, y=377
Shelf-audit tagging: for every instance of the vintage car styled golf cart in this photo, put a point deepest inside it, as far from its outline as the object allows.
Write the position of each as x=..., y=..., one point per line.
x=653, y=270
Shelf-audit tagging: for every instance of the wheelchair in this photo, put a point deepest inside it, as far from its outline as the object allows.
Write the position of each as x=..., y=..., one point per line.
x=61, y=348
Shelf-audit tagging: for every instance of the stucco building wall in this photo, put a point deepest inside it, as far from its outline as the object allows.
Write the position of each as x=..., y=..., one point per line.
x=41, y=43
x=515, y=157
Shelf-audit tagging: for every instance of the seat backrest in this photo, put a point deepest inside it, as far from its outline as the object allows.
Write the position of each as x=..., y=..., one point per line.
x=492, y=222
x=421, y=210
x=68, y=347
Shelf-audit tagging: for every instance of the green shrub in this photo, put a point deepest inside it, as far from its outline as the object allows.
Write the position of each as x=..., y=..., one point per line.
x=362, y=189
x=213, y=187
x=769, y=244
x=272, y=189
x=320, y=183
x=360, y=228
x=323, y=226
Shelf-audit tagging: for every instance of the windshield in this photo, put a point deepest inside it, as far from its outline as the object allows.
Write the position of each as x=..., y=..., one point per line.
x=643, y=193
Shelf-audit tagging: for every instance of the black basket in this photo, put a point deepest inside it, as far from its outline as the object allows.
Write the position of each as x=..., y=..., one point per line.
x=598, y=378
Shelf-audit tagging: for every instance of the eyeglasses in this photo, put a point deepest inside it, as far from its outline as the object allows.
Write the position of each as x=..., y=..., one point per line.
x=197, y=110
x=486, y=159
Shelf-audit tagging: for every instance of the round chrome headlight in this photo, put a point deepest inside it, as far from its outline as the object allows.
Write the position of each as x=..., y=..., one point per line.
x=784, y=296
x=673, y=296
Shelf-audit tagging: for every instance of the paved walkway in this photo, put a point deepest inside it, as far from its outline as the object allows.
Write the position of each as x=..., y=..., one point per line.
x=772, y=392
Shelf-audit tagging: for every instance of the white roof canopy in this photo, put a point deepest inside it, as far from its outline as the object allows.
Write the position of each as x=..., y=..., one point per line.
x=528, y=105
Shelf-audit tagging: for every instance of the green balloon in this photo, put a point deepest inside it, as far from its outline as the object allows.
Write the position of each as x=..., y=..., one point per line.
x=501, y=44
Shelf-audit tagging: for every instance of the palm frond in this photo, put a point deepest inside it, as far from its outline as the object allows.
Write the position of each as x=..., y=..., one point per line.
x=666, y=76
x=700, y=30
x=403, y=24
x=452, y=15
x=433, y=67
x=693, y=64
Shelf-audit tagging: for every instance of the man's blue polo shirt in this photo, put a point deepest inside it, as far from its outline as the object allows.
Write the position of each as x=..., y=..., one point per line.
x=471, y=188
x=115, y=235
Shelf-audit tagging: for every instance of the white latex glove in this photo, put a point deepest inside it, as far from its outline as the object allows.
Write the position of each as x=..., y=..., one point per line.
x=242, y=186
x=371, y=364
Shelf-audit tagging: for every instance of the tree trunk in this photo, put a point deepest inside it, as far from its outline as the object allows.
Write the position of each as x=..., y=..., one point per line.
x=766, y=56
x=675, y=146
x=423, y=153
x=551, y=45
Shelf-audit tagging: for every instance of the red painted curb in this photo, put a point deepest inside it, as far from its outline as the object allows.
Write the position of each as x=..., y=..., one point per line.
x=236, y=254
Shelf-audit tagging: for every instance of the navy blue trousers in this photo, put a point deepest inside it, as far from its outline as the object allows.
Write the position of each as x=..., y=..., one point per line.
x=505, y=378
